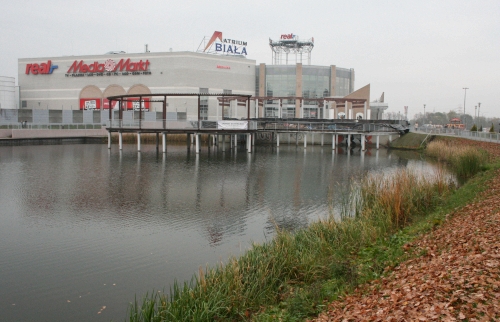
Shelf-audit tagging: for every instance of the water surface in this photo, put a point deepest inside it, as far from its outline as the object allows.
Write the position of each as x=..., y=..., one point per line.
x=83, y=229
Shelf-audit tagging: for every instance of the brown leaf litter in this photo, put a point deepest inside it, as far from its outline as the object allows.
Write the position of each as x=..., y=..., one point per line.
x=457, y=278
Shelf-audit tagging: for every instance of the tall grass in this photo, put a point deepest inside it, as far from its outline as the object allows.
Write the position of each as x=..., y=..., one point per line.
x=269, y=273
x=464, y=160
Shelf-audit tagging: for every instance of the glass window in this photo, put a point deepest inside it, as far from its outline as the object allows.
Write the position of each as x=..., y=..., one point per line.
x=315, y=82
x=280, y=80
x=204, y=104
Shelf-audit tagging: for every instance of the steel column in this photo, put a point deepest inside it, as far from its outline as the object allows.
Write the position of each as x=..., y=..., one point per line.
x=164, y=142
x=164, y=114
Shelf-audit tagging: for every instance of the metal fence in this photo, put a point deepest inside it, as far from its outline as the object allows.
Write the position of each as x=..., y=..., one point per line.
x=69, y=117
x=96, y=119
x=473, y=135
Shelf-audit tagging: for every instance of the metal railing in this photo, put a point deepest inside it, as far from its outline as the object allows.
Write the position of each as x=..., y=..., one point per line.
x=51, y=126
x=301, y=125
x=177, y=125
x=308, y=126
x=473, y=135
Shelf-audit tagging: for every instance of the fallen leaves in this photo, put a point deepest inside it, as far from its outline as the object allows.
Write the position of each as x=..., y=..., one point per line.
x=458, y=278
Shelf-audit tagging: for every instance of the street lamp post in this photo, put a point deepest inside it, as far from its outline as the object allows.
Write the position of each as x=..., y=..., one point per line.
x=424, y=114
x=475, y=114
x=465, y=95
x=478, y=111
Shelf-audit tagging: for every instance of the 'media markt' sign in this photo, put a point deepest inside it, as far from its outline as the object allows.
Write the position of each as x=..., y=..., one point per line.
x=80, y=68
x=109, y=68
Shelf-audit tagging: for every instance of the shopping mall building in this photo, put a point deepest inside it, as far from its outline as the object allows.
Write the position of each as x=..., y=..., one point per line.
x=293, y=89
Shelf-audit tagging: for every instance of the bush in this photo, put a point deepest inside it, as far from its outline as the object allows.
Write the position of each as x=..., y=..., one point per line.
x=465, y=161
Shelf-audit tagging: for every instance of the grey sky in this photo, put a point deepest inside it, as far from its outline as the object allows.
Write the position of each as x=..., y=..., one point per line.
x=417, y=52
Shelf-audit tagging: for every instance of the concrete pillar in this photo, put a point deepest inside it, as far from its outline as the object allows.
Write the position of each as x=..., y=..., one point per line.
x=138, y=141
x=223, y=143
x=197, y=139
x=253, y=139
x=390, y=138
x=235, y=140
x=378, y=141
x=249, y=143
x=109, y=140
x=322, y=138
x=164, y=142
x=305, y=140
x=362, y=142
x=334, y=141
x=120, y=140
x=348, y=140
x=312, y=138
x=277, y=139
x=280, y=109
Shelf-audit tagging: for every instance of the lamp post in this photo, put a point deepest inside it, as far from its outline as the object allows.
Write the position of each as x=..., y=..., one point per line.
x=465, y=95
x=424, y=114
x=478, y=111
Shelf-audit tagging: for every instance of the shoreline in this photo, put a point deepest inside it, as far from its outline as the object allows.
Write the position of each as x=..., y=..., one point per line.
x=453, y=270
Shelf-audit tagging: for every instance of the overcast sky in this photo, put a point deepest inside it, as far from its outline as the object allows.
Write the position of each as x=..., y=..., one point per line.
x=417, y=52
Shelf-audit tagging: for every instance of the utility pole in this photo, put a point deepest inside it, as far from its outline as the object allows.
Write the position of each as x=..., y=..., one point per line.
x=478, y=111
x=465, y=95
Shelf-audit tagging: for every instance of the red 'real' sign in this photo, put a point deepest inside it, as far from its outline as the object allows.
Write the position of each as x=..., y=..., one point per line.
x=109, y=66
x=43, y=68
x=287, y=36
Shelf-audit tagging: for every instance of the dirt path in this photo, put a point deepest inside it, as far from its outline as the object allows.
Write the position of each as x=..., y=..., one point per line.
x=457, y=279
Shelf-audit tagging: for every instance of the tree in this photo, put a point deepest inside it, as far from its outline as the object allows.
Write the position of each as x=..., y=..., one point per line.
x=452, y=114
x=473, y=128
x=481, y=128
x=492, y=128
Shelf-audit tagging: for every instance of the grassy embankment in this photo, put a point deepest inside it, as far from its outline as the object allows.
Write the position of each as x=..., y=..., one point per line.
x=295, y=274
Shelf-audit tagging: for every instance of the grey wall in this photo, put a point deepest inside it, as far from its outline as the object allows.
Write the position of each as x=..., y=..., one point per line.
x=172, y=72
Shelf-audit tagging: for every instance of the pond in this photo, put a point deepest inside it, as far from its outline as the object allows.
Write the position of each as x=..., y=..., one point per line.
x=84, y=229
